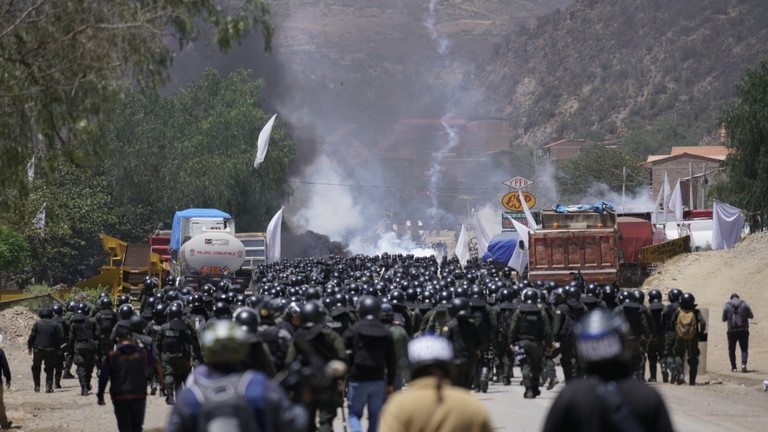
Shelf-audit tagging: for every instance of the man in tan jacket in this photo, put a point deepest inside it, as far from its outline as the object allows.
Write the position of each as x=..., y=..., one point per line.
x=431, y=402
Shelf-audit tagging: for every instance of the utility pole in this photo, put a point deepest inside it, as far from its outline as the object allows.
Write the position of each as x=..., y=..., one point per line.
x=623, y=188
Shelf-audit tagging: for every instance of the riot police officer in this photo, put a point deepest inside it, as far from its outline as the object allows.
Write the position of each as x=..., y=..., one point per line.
x=44, y=343
x=84, y=344
x=314, y=341
x=531, y=333
x=639, y=330
x=105, y=318
x=670, y=334
x=687, y=343
x=177, y=344
x=463, y=334
x=656, y=347
x=58, y=369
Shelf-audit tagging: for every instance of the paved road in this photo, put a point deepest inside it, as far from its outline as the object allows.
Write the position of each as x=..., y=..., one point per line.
x=728, y=402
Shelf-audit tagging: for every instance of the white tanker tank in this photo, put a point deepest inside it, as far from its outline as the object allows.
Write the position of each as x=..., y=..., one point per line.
x=203, y=243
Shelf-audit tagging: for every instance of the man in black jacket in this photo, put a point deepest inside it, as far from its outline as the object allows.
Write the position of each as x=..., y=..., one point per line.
x=6, y=371
x=371, y=351
x=607, y=398
x=126, y=368
x=45, y=341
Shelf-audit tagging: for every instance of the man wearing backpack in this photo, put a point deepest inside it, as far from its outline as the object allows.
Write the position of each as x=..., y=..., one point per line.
x=691, y=328
x=737, y=314
x=223, y=394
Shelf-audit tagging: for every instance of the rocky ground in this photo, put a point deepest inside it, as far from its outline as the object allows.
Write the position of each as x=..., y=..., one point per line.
x=712, y=276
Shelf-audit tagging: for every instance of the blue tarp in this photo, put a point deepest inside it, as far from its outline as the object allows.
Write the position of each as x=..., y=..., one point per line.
x=600, y=207
x=191, y=213
x=501, y=247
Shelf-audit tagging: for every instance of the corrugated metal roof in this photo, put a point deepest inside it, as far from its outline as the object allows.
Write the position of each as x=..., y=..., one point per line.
x=716, y=152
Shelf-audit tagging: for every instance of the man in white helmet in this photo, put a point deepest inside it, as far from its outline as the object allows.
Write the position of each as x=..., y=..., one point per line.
x=432, y=402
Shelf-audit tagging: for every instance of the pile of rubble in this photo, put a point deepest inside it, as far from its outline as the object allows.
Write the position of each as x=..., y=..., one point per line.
x=15, y=325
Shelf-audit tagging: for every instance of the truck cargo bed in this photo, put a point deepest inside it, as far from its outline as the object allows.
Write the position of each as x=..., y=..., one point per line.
x=557, y=254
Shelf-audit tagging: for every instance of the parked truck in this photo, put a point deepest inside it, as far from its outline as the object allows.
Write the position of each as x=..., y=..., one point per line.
x=568, y=243
x=204, y=248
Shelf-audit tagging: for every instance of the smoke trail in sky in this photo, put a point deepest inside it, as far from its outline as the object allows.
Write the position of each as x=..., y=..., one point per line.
x=443, y=43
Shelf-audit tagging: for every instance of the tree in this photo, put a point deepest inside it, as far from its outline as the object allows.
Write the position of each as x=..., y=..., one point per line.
x=746, y=122
x=78, y=207
x=14, y=256
x=63, y=64
x=598, y=165
x=196, y=148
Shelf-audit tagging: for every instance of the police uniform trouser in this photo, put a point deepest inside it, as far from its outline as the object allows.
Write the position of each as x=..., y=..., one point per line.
x=464, y=371
x=175, y=371
x=40, y=355
x=325, y=412
x=691, y=349
x=568, y=360
x=670, y=338
x=85, y=360
x=534, y=361
x=656, y=356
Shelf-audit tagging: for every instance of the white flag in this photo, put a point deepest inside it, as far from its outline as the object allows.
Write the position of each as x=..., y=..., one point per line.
x=31, y=169
x=655, y=215
x=528, y=216
x=727, y=224
x=39, y=220
x=482, y=235
x=519, y=258
x=665, y=203
x=676, y=202
x=274, y=237
x=462, y=246
x=263, y=142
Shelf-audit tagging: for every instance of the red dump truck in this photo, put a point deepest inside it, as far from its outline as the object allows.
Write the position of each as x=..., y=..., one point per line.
x=576, y=241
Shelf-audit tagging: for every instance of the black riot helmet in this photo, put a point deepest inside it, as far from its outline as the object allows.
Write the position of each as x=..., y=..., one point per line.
x=175, y=311
x=58, y=309
x=248, y=319
x=396, y=296
x=602, y=344
x=688, y=301
x=654, y=296
x=459, y=307
x=197, y=301
x=137, y=324
x=123, y=299
x=530, y=296
x=105, y=303
x=593, y=290
x=609, y=292
x=310, y=314
x=125, y=311
x=573, y=292
x=158, y=313
x=639, y=296
x=221, y=310
x=674, y=295
x=506, y=295
x=625, y=296
x=369, y=307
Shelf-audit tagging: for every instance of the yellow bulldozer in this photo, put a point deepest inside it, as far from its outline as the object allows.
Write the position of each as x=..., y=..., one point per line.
x=127, y=267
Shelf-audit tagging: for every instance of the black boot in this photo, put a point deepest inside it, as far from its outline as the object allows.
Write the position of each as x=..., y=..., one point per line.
x=169, y=395
x=693, y=372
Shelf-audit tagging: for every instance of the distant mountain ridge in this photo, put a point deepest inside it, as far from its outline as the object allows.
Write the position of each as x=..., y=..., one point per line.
x=609, y=67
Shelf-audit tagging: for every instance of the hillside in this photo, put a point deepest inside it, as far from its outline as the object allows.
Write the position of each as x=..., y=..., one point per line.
x=712, y=277
x=615, y=66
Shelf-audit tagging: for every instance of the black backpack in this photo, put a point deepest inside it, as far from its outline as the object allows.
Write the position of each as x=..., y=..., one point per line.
x=738, y=322
x=223, y=406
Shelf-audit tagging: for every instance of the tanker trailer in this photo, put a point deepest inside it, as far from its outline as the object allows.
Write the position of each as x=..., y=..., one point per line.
x=204, y=248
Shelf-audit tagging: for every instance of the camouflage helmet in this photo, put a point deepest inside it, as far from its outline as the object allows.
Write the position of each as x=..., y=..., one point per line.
x=226, y=343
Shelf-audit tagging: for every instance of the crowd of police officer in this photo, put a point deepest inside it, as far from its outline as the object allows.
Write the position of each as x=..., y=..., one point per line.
x=302, y=309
